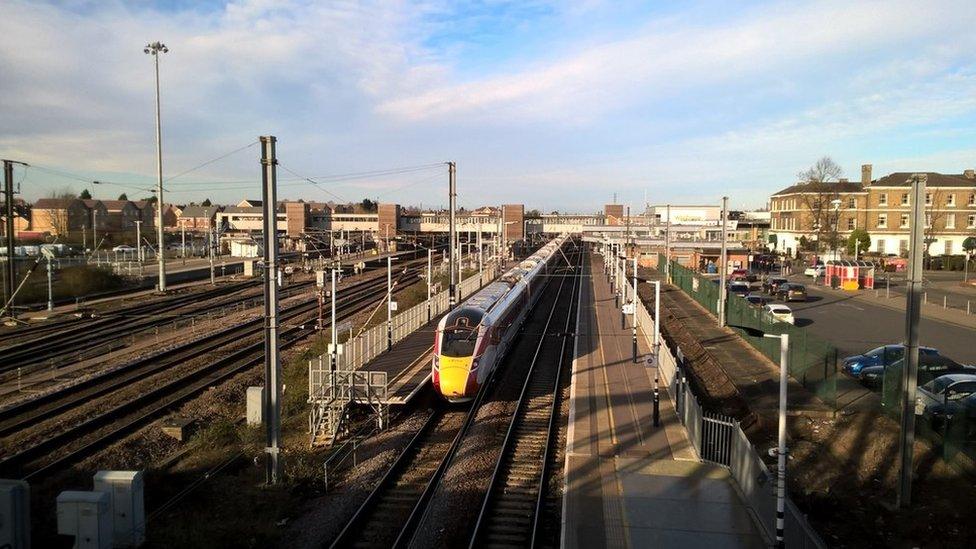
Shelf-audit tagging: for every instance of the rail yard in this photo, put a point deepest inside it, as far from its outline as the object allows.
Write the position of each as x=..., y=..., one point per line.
x=415, y=274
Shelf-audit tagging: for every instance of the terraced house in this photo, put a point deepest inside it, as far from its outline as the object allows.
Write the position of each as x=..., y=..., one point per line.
x=825, y=214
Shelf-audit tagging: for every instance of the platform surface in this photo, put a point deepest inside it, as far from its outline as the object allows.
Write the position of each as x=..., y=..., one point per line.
x=407, y=364
x=629, y=483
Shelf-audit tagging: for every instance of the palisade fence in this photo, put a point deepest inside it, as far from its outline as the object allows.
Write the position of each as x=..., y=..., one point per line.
x=720, y=439
x=813, y=361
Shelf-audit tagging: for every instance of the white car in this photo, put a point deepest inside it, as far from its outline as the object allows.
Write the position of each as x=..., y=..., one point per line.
x=123, y=248
x=815, y=271
x=780, y=312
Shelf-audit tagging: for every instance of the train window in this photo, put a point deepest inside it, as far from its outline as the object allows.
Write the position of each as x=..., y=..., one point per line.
x=459, y=343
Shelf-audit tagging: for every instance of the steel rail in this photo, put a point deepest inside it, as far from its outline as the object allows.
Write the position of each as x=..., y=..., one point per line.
x=511, y=454
x=158, y=400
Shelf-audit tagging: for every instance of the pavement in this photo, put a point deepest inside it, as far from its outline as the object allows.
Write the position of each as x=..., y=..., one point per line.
x=629, y=483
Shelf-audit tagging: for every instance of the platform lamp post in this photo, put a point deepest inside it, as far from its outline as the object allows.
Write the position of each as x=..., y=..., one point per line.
x=334, y=340
x=430, y=278
x=155, y=49
x=635, y=311
x=781, y=450
x=723, y=264
x=389, y=302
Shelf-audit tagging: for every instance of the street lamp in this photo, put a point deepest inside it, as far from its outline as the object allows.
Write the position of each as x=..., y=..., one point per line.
x=835, y=206
x=154, y=49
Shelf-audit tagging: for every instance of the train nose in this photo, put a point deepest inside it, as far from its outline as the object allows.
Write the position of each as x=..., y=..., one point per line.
x=454, y=376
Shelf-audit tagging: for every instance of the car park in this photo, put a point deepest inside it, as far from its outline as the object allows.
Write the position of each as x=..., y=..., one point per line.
x=780, y=312
x=948, y=396
x=770, y=285
x=757, y=300
x=879, y=356
x=791, y=292
x=929, y=368
x=739, y=288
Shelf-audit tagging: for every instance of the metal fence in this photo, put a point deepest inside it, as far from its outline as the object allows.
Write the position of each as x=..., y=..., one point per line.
x=719, y=439
x=813, y=361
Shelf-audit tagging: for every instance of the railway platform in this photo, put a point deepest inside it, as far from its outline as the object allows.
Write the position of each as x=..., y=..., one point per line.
x=407, y=364
x=627, y=482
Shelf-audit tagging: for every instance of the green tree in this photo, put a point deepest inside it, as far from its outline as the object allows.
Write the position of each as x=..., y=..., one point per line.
x=368, y=205
x=859, y=241
x=85, y=195
x=123, y=197
x=206, y=203
x=969, y=244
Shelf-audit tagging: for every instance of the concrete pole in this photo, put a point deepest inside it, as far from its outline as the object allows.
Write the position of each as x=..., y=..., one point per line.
x=160, y=245
x=912, y=315
x=210, y=240
x=723, y=263
x=272, y=364
x=183, y=240
x=480, y=263
x=430, y=278
x=657, y=318
x=667, y=246
x=451, y=233
x=335, y=335
x=94, y=230
x=50, y=292
x=139, y=240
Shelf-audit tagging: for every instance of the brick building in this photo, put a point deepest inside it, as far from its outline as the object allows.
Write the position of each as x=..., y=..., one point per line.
x=882, y=207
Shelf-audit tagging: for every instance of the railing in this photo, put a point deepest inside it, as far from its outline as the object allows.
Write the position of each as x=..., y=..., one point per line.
x=719, y=439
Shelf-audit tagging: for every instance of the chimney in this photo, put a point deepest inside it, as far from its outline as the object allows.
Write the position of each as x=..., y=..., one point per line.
x=970, y=174
x=865, y=174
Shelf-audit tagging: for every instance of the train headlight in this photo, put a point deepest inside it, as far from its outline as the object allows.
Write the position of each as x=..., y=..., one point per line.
x=437, y=362
x=474, y=364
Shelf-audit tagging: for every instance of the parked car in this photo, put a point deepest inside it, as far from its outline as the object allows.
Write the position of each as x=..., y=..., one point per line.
x=124, y=248
x=791, y=292
x=770, y=285
x=883, y=356
x=739, y=288
x=929, y=368
x=757, y=300
x=742, y=274
x=947, y=396
x=815, y=271
x=780, y=312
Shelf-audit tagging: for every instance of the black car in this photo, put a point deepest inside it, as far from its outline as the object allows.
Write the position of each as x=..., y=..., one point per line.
x=770, y=285
x=739, y=288
x=791, y=292
x=756, y=300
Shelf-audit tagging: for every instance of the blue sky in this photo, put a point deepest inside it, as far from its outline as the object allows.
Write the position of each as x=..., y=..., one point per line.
x=555, y=104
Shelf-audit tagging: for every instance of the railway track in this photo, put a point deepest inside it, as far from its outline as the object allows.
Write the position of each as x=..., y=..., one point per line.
x=82, y=439
x=393, y=511
x=513, y=508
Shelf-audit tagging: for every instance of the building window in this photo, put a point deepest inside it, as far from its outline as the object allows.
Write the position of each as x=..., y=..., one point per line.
x=951, y=200
x=972, y=199
x=903, y=246
x=904, y=221
x=881, y=246
x=852, y=203
x=883, y=199
x=928, y=199
x=948, y=247
x=904, y=199
x=950, y=221
x=972, y=221
x=882, y=221
x=928, y=221
x=851, y=224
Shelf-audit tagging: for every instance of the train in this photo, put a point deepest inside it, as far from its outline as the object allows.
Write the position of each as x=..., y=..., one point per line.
x=471, y=340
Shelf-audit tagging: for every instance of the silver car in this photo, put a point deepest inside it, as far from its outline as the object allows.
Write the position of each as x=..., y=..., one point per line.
x=944, y=397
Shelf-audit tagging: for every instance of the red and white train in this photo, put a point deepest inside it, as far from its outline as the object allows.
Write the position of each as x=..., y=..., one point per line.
x=472, y=339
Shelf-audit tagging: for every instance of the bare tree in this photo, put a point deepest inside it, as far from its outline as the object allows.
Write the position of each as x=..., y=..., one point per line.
x=59, y=218
x=817, y=198
x=933, y=216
